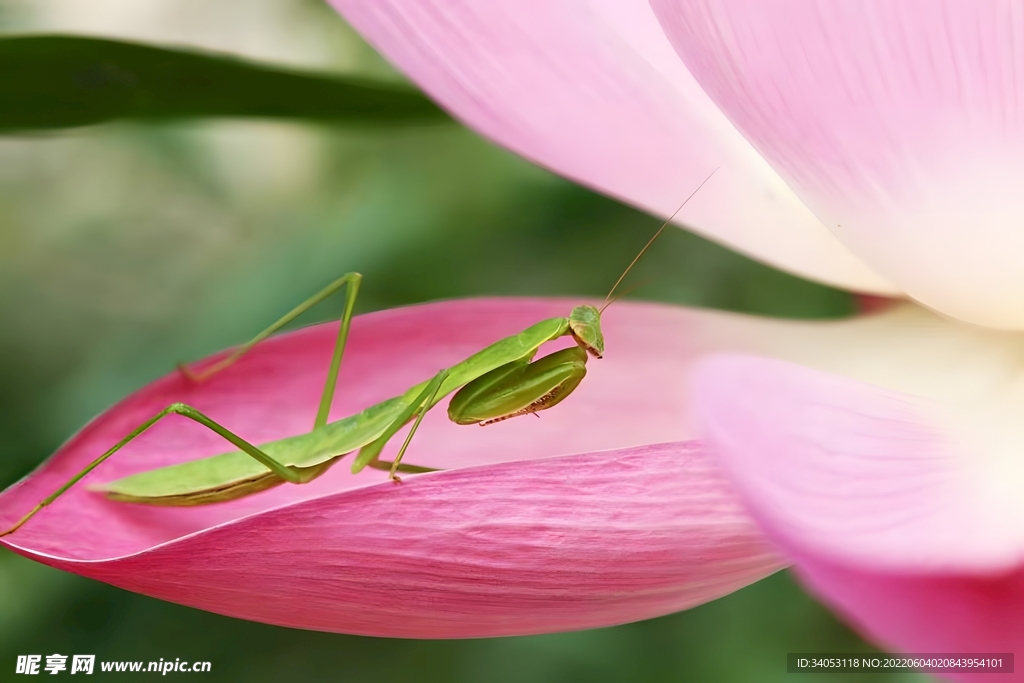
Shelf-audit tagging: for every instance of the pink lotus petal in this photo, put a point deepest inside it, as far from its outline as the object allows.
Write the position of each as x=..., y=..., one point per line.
x=524, y=543
x=902, y=509
x=593, y=90
x=926, y=613
x=565, y=543
x=899, y=124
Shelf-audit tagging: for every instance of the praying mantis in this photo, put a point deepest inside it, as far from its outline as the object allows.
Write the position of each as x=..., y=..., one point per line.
x=499, y=382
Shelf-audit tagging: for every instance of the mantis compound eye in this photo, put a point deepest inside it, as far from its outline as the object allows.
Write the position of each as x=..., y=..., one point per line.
x=585, y=325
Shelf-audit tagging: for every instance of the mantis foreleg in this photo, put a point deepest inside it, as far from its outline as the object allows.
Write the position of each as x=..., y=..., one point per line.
x=353, y=281
x=289, y=474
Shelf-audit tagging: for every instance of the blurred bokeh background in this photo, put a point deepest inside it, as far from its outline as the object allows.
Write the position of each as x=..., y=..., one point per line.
x=125, y=248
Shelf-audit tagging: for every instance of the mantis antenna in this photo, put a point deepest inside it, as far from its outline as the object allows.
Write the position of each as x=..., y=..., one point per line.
x=608, y=300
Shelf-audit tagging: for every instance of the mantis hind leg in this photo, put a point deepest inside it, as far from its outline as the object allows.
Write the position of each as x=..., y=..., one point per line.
x=289, y=474
x=353, y=281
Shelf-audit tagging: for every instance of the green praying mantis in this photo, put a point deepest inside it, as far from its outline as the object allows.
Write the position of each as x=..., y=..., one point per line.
x=500, y=382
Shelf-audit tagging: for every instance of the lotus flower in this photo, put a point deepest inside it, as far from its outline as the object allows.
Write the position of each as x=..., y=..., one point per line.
x=874, y=146
x=877, y=146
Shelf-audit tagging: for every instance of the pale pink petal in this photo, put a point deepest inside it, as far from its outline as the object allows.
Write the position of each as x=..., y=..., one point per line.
x=592, y=90
x=619, y=528
x=970, y=614
x=900, y=124
x=901, y=508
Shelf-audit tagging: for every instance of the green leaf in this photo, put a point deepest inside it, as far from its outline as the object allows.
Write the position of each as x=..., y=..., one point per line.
x=63, y=81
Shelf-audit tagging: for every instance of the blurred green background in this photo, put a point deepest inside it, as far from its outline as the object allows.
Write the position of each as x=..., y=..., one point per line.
x=127, y=248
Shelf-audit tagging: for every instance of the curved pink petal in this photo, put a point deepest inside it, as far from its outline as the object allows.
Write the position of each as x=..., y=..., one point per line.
x=900, y=124
x=570, y=521
x=901, y=508
x=593, y=90
x=926, y=613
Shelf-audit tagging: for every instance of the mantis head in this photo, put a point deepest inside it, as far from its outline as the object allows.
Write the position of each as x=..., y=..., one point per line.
x=585, y=325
